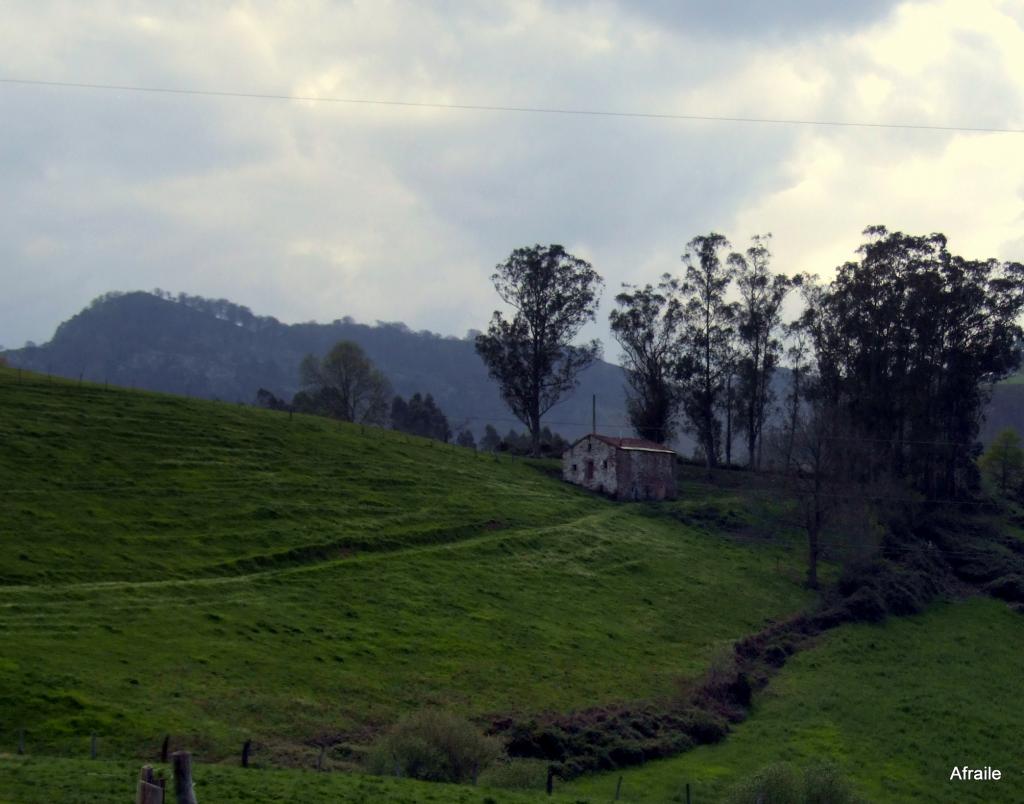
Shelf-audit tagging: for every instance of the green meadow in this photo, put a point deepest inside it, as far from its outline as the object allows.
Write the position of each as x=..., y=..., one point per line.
x=897, y=706
x=221, y=573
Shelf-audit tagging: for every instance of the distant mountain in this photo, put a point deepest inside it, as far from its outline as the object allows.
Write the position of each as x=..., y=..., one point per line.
x=219, y=350
x=215, y=349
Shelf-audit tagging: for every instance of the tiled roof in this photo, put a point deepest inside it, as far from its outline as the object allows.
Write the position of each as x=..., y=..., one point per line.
x=639, y=444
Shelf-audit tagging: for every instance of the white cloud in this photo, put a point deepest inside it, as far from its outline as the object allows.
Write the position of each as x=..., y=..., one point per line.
x=318, y=210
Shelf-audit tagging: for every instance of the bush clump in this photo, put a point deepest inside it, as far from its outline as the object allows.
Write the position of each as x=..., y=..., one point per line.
x=873, y=589
x=1009, y=588
x=785, y=783
x=516, y=774
x=433, y=745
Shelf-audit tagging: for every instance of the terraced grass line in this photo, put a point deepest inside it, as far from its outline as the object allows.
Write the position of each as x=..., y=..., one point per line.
x=897, y=706
x=62, y=590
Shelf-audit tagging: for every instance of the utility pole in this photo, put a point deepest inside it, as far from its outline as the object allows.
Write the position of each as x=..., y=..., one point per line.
x=593, y=413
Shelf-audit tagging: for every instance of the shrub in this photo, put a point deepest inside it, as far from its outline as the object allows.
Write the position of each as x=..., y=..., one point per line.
x=784, y=783
x=433, y=745
x=1009, y=588
x=865, y=605
x=705, y=728
x=825, y=784
x=516, y=774
x=781, y=783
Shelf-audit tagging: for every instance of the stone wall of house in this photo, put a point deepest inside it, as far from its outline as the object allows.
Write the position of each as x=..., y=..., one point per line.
x=646, y=475
x=601, y=476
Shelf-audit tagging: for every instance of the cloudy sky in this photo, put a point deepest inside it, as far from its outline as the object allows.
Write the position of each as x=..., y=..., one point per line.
x=316, y=210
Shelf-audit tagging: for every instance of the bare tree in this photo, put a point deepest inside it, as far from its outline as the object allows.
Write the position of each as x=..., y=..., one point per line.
x=344, y=385
x=825, y=480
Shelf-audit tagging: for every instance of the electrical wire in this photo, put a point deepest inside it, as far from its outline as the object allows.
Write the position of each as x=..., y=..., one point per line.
x=535, y=110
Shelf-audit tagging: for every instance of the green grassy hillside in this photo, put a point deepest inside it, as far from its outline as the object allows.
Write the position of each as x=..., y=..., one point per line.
x=897, y=706
x=32, y=780
x=220, y=573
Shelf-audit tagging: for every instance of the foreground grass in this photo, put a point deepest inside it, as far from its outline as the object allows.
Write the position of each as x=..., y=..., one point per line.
x=219, y=573
x=897, y=706
x=31, y=780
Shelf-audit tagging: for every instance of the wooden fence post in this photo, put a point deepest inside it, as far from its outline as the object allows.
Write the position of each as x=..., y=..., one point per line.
x=246, y=747
x=687, y=793
x=149, y=790
x=618, y=789
x=320, y=758
x=183, y=790
x=164, y=747
x=21, y=741
x=550, y=786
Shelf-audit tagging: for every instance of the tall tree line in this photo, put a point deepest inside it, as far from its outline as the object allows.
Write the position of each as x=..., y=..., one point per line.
x=907, y=343
x=697, y=359
x=902, y=347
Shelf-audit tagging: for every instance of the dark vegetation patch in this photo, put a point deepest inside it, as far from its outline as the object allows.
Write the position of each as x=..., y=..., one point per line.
x=1009, y=588
x=943, y=558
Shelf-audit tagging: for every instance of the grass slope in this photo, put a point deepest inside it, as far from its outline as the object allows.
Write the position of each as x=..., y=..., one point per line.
x=897, y=706
x=221, y=573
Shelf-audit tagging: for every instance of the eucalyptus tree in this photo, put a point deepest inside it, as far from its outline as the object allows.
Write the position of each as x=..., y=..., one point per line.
x=706, y=333
x=647, y=326
x=908, y=342
x=531, y=355
x=758, y=330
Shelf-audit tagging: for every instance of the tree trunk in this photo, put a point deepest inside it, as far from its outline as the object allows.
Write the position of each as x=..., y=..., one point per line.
x=728, y=420
x=794, y=415
x=535, y=434
x=814, y=532
x=812, y=558
x=751, y=432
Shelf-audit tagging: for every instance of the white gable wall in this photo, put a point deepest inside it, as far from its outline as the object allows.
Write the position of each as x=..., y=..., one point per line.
x=591, y=464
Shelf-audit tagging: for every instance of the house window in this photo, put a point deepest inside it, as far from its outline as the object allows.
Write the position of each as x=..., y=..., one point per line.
x=574, y=467
x=604, y=464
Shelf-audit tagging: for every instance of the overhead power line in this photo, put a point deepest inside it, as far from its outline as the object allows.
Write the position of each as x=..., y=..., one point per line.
x=540, y=110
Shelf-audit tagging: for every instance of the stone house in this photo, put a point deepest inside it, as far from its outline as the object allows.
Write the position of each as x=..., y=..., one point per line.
x=624, y=468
